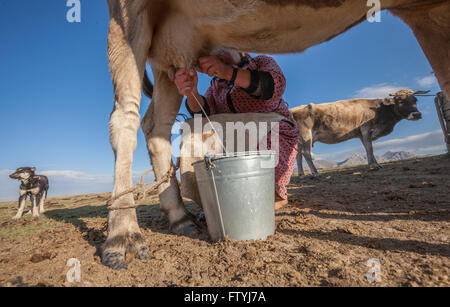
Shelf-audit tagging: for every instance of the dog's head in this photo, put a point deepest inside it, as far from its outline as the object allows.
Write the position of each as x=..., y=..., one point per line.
x=23, y=173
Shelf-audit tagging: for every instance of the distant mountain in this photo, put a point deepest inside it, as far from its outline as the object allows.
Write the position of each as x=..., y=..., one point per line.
x=395, y=156
x=354, y=159
x=325, y=164
x=360, y=159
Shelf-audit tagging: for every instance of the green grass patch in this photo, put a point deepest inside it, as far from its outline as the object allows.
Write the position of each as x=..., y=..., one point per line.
x=25, y=227
x=75, y=210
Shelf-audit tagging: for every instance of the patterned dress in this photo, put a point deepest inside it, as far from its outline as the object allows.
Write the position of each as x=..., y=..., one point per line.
x=268, y=80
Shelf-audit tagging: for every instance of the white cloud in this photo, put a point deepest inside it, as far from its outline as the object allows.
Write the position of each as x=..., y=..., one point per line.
x=78, y=176
x=427, y=81
x=377, y=91
x=65, y=182
x=426, y=143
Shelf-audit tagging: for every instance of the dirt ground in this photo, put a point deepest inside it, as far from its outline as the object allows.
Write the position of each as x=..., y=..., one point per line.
x=324, y=237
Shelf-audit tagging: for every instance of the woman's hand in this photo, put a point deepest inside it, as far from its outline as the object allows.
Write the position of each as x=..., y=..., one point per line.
x=214, y=67
x=186, y=81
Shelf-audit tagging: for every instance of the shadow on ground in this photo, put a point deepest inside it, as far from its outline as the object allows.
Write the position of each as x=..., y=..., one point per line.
x=149, y=217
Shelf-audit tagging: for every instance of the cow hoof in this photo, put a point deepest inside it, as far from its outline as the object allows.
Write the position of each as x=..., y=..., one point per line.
x=201, y=217
x=114, y=260
x=116, y=247
x=201, y=220
x=319, y=176
x=143, y=253
x=375, y=167
x=16, y=217
x=186, y=226
x=189, y=230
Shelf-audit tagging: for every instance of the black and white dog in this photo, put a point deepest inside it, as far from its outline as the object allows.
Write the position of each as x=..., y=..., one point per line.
x=34, y=186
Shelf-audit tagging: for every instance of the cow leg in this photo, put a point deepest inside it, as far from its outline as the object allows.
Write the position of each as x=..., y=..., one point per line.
x=366, y=139
x=431, y=26
x=128, y=44
x=19, y=213
x=312, y=167
x=306, y=145
x=157, y=125
x=301, y=172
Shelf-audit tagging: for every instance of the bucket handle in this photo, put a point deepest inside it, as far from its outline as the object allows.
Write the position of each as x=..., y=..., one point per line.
x=209, y=166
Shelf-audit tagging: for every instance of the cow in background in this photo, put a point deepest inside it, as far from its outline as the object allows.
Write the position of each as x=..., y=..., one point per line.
x=366, y=119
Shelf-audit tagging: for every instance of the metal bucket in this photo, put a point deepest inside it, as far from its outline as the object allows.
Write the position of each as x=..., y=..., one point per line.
x=238, y=193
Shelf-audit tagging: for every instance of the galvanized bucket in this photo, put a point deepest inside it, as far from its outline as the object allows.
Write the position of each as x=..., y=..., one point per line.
x=238, y=192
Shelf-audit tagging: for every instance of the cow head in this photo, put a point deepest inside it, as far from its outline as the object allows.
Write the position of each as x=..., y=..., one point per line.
x=406, y=104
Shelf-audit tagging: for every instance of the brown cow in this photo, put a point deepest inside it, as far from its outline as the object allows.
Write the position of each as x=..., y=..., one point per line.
x=366, y=119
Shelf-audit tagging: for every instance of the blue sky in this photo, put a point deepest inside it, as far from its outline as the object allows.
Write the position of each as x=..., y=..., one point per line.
x=56, y=94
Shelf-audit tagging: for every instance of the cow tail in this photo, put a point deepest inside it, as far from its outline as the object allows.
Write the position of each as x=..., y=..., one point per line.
x=147, y=86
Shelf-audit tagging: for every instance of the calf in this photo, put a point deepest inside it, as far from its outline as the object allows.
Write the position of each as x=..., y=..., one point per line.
x=366, y=119
x=34, y=186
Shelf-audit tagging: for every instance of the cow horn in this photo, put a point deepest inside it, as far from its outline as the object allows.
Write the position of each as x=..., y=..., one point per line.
x=421, y=92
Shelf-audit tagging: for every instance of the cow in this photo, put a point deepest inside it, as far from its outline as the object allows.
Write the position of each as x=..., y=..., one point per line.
x=366, y=119
x=173, y=34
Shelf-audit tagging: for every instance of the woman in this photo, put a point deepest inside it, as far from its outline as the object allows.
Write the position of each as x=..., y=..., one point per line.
x=242, y=84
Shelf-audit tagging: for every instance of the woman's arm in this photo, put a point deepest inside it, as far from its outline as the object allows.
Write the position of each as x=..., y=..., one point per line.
x=193, y=101
x=186, y=82
x=242, y=78
x=214, y=67
x=267, y=80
